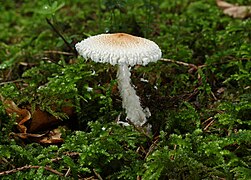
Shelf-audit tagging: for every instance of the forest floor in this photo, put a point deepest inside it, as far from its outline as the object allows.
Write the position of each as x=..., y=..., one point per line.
x=59, y=111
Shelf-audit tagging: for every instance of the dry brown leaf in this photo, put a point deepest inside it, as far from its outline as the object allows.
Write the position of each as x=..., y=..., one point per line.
x=22, y=115
x=50, y=137
x=38, y=121
x=223, y=4
x=54, y=137
x=28, y=135
x=234, y=10
x=42, y=120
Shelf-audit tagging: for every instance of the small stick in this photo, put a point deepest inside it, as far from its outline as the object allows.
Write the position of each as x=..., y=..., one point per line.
x=30, y=167
x=68, y=172
x=97, y=174
x=174, y=148
x=60, y=35
x=14, y=81
x=89, y=178
x=139, y=129
x=180, y=63
x=151, y=149
x=70, y=154
x=59, y=52
x=209, y=124
x=215, y=98
x=6, y=161
x=209, y=119
x=192, y=66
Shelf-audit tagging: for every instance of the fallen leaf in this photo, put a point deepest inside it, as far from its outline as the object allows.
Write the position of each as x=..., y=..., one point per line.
x=223, y=4
x=38, y=121
x=234, y=10
x=50, y=137
x=28, y=135
x=54, y=137
x=221, y=90
x=42, y=120
x=22, y=115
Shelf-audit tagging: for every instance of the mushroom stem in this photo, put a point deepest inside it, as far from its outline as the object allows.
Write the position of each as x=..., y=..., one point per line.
x=130, y=101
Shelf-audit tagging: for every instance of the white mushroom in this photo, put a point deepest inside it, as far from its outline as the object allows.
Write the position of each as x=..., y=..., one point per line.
x=124, y=50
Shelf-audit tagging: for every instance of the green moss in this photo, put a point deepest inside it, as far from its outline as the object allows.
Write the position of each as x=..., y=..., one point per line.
x=200, y=111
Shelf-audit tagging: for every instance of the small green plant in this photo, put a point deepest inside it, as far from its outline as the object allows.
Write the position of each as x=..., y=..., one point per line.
x=119, y=13
x=106, y=149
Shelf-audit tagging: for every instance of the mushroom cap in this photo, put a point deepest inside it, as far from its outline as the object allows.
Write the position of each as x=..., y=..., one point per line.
x=119, y=48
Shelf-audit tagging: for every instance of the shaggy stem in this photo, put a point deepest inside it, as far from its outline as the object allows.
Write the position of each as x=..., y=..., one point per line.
x=130, y=101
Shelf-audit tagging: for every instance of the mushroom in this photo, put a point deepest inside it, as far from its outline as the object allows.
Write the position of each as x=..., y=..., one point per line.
x=124, y=50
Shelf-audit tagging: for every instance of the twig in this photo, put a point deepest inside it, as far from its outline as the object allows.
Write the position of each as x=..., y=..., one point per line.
x=209, y=124
x=192, y=67
x=174, y=148
x=62, y=37
x=200, y=66
x=180, y=63
x=30, y=167
x=215, y=98
x=97, y=174
x=59, y=52
x=211, y=119
x=70, y=154
x=151, y=149
x=139, y=129
x=195, y=91
x=67, y=172
x=6, y=161
x=89, y=178
x=9, y=73
x=14, y=81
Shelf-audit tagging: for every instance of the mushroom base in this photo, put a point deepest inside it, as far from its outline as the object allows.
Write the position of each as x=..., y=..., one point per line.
x=130, y=101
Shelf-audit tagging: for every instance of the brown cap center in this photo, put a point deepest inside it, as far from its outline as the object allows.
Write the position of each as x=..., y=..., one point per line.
x=122, y=39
